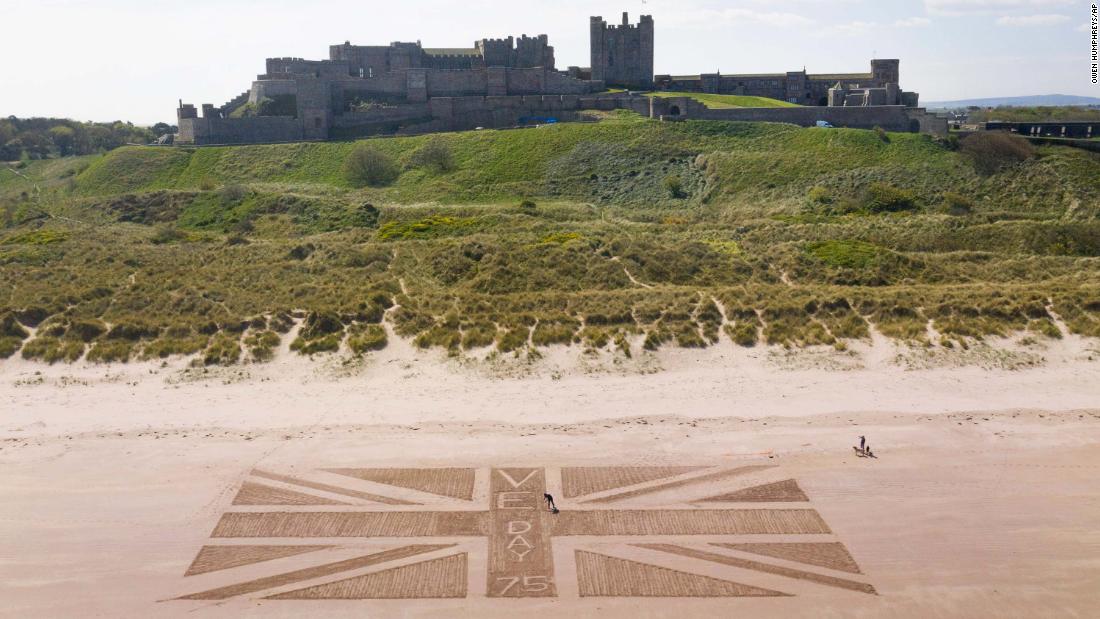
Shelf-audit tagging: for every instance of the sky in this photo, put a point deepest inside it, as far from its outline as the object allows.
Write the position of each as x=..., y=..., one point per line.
x=132, y=60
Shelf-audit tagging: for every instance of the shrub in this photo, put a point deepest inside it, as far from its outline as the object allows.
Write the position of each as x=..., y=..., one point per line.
x=320, y=324
x=991, y=151
x=37, y=237
x=674, y=186
x=301, y=252
x=478, y=335
x=654, y=339
x=527, y=205
x=846, y=254
x=687, y=336
x=281, y=322
x=365, y=338
x=957, y=204
x=9, y=327
x=623, y=345
x=232, y=193
x=329, y=343
x=9, y=345
x=167, y=233
x=365, y=165
x=444, y=336
x=167, y=346
x=52, y=350
x=595, y=338
x=743, y=333
x=881, y=133
x=261, y=345
x=85, y=330
x=434, y=155
x=132, y=331
x=513, y=339
x=224, y=349
x=884, y=198
x=107, y=351
x=548, y=333
x=429, y=227
x=1045, y=327
x=366, y=216
x=819, y=195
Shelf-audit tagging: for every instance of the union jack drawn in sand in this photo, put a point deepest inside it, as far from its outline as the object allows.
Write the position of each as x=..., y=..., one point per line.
x=392, y=533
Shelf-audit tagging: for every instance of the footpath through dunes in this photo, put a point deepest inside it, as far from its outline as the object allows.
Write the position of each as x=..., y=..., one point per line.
x=623, y=236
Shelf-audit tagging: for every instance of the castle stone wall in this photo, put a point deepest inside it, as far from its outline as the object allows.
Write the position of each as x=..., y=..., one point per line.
x=239, y=130
x=796, y=86
x=890, y=117
x=457, y=83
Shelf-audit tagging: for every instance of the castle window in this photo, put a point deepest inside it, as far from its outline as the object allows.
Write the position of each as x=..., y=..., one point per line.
x=360, y=71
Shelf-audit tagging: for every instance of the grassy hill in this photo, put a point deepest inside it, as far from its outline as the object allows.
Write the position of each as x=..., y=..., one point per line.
x=716, y=101
x=567, y=234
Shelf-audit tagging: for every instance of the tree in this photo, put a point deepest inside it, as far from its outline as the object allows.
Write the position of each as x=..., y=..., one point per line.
x=64, y=138
x=11, y=150
x=7, y=131
x=435, y=155
x=35, y=145
x=160, y=129
x=99, y=138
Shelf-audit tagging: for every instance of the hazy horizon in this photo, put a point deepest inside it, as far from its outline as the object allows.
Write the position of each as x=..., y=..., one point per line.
x=126, y=60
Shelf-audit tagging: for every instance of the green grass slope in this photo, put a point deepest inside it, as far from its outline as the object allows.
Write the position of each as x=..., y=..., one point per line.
x=755, y=166
x=718, y=102
x=562, y=235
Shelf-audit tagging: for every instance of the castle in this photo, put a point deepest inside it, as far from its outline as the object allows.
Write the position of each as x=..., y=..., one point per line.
x=365, y=90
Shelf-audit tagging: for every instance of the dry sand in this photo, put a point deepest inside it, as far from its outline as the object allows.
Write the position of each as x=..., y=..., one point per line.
x=984, y=499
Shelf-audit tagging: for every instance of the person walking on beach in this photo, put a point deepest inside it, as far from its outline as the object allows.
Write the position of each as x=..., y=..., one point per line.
x=862, y=443
x=550, y=507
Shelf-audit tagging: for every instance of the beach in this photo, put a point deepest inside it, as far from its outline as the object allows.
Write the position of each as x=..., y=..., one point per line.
x=981, y=501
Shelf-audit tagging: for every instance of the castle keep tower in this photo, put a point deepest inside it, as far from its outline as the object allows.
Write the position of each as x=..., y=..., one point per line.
x=885, y=71
x=623, y=55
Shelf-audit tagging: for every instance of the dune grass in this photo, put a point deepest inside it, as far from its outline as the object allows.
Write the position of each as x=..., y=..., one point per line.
x=564, y=235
